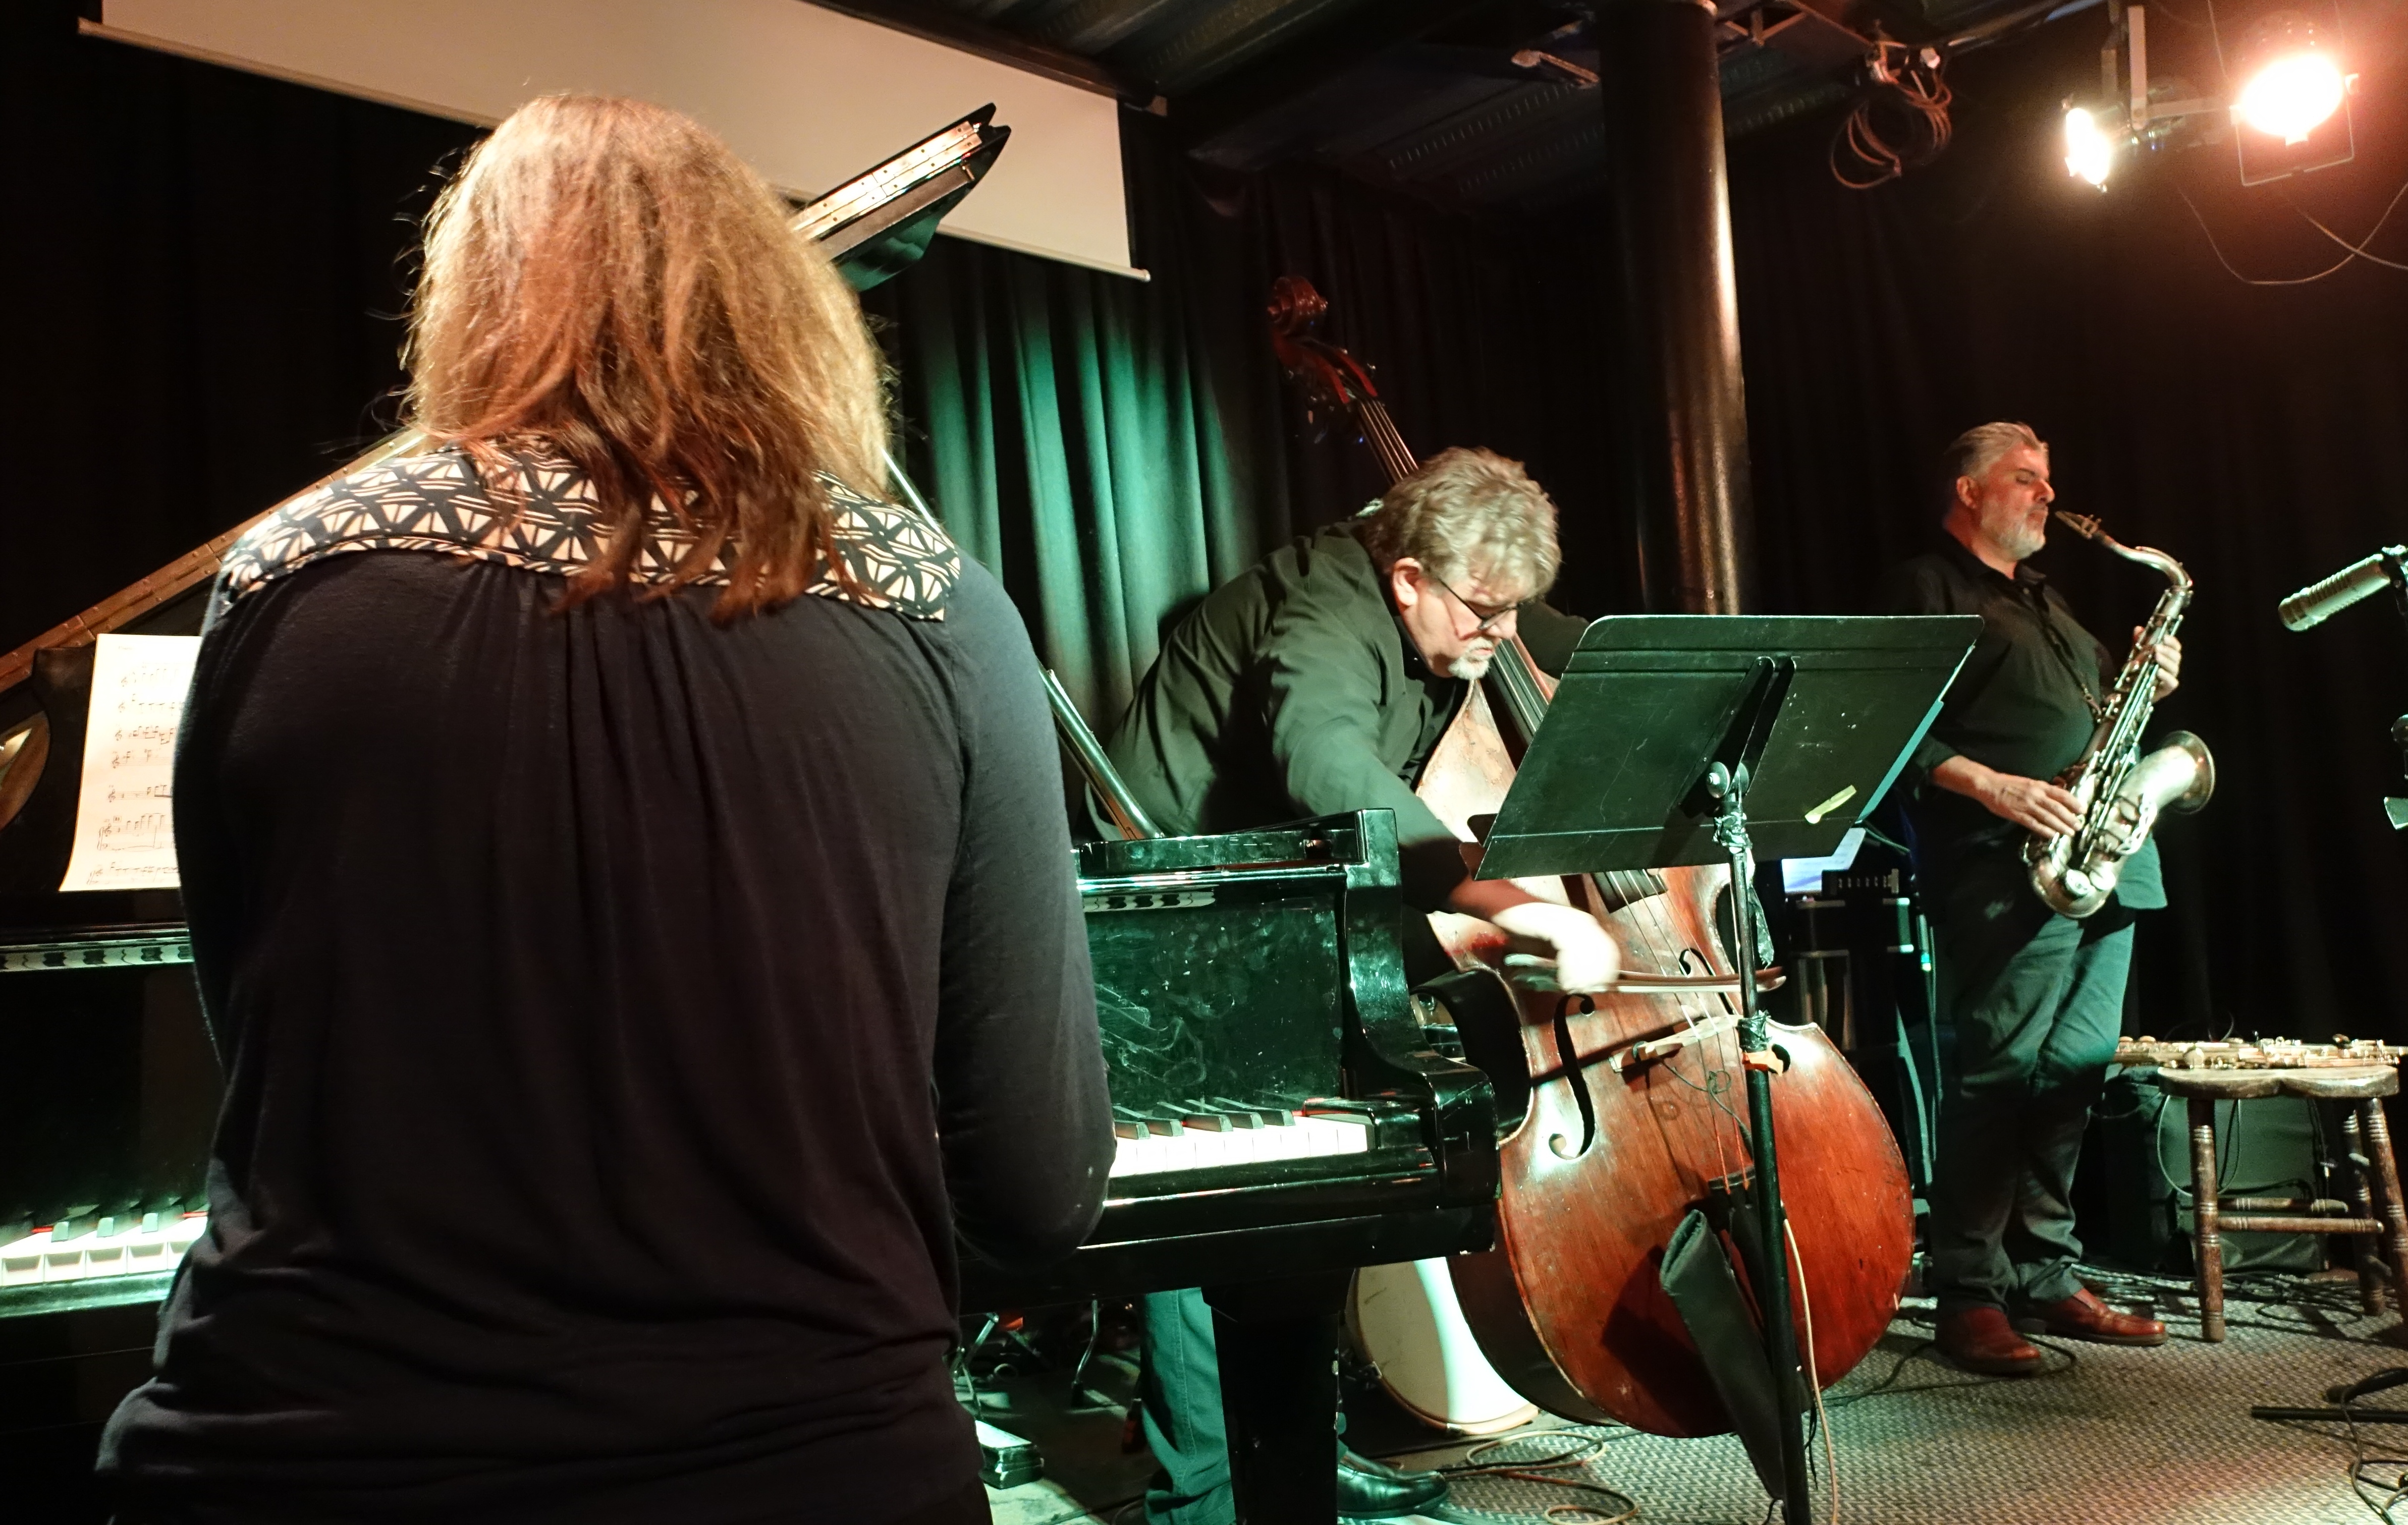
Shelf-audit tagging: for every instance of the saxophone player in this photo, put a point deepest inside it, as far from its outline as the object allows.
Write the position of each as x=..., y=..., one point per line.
x=2036, y=997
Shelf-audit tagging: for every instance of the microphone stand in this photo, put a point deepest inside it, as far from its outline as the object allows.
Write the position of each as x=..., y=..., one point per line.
x=2395, y=807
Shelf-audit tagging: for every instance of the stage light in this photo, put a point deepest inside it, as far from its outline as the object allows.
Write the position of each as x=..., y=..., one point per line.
x=2291, y=115
x=2292, y=95
x=2089, y=152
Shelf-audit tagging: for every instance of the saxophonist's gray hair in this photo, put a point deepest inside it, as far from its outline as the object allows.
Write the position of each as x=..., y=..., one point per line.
x=1978, y=449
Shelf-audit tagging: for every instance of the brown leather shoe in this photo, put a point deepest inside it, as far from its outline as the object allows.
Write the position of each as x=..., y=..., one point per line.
x=2082, y=1317
x=1981, y=1340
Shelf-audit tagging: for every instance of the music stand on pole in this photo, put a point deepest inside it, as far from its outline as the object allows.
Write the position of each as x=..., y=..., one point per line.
x=1677, y=740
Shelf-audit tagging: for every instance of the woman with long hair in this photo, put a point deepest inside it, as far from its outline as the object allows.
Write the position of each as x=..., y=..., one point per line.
x=630, y=893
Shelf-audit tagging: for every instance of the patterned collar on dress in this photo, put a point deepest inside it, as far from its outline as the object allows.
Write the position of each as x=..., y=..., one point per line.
x=436, y=503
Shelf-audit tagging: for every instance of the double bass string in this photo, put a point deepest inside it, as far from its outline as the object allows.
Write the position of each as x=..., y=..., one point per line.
x=1647, y=917
x=1381, y=432
x=1648, y=922
x=1527, y=700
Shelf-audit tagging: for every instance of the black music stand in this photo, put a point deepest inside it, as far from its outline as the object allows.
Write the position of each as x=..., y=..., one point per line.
x=1679, y=740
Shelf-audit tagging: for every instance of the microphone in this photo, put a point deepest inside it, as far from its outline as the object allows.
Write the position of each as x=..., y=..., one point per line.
x=2318, y=602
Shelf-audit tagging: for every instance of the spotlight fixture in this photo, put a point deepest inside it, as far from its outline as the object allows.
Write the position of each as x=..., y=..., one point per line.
x=2291, y=114
x=2089, y=152
x=2292, y=96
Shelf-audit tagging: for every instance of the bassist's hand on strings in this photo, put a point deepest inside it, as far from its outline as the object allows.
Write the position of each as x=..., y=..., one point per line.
x=2033, y=803
x=1583, y=955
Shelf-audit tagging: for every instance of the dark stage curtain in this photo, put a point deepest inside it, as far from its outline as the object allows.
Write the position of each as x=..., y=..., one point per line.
x=200, y=277
x=2251, y=431
x=1117, y=449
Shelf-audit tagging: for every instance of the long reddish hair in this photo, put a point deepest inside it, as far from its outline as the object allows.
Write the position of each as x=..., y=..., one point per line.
x=606, y=278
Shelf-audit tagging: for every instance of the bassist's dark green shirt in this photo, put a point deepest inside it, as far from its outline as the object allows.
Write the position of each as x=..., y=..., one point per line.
x=1292, y=691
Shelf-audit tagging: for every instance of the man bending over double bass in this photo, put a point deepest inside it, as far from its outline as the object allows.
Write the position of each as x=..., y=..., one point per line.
x=1319, y=682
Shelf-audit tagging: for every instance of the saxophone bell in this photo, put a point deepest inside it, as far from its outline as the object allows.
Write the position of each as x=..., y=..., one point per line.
x=2085, y=868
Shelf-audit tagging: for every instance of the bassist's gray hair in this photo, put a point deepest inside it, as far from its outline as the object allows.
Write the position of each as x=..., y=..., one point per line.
x=1469, y=513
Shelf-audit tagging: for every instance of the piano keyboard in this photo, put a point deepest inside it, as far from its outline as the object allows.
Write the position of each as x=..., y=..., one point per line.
x=1212, y=1135
x=128, y=1247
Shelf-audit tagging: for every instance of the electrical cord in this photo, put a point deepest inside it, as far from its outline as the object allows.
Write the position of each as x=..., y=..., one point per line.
x=2351, y=251
x=1898, y=76
x=2362, y=1456
x=1888, y=1388
x=1541, y=1470
x=2380, y=1494
x=2252, y=280
x=1821, y=1421
x=2358, y=249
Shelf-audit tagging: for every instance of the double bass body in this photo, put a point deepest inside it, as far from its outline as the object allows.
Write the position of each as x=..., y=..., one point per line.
x=1635, y=1116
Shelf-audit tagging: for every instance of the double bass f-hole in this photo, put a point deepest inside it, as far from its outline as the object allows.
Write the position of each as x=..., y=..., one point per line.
x=1574, y=1070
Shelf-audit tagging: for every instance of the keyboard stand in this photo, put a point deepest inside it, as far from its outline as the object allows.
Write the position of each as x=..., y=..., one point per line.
x=1277, y=1341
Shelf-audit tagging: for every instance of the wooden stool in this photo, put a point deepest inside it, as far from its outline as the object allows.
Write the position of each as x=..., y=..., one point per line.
x=2374, y=1212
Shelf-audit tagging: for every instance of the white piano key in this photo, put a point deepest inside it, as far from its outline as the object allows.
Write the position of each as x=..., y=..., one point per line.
x=153, y=1245
x=1282, y=1136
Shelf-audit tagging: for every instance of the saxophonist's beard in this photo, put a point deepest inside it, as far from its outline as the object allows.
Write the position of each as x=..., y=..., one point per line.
x=2024, y=540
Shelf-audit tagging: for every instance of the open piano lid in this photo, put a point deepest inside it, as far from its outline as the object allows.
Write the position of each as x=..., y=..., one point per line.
x=874, y=225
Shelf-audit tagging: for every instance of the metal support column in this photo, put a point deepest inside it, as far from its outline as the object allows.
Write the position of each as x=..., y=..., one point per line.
x=1683, y=410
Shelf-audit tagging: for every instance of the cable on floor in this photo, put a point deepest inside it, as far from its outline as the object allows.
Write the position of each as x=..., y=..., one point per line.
x=2362, y=1456
x=1541, y=1470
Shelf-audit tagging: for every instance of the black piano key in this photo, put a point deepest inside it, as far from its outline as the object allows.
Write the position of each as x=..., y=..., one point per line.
x=1247, y=1115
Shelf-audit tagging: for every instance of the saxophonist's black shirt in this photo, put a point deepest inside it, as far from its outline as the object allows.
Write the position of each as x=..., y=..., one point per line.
x=2023, y=704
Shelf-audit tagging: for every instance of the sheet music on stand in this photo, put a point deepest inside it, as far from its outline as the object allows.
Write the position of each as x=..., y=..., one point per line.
x=1612, y=780
x=126, y=828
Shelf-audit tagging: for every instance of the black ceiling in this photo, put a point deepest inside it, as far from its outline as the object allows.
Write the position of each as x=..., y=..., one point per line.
x=1463, y=103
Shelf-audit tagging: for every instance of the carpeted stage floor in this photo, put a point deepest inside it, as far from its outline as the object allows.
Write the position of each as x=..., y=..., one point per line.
x=2104, y=1436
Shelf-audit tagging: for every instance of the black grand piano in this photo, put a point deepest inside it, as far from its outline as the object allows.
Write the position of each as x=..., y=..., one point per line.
x=1279, y=1105
x=1283, y=1117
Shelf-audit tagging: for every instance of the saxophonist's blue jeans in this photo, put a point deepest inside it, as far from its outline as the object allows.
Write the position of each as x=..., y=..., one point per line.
x=2037, y=1001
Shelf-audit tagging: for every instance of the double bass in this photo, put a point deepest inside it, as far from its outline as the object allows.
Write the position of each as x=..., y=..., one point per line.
x=1621, y=1113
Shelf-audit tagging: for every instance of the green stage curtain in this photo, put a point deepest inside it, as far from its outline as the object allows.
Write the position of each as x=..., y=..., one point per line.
x=1113, y=449
x=1061, y=424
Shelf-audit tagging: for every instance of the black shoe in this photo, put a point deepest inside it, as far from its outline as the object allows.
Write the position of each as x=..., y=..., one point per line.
x=1369, y=1489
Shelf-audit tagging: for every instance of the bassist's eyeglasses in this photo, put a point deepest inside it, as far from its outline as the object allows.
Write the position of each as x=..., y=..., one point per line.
x=1488, y=615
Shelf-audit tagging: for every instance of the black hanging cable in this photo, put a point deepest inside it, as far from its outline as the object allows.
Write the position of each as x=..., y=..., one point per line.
x=2358, y=249
x=2350, y=251
x=1901, y=118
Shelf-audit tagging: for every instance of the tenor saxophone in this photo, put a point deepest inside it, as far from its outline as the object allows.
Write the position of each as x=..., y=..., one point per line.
x=2119, y=792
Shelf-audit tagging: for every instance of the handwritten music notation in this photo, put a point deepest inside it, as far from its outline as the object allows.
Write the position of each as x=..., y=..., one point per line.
x=125, y=827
